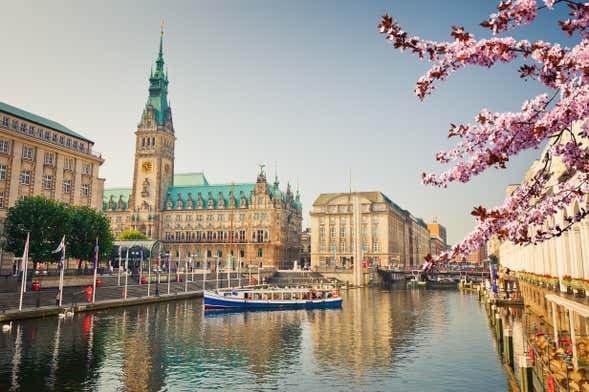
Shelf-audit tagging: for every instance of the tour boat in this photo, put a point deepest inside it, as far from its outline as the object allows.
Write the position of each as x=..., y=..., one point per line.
x=272, y=298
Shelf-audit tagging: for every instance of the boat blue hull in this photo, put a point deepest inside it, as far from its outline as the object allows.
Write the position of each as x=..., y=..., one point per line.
x=232, y=304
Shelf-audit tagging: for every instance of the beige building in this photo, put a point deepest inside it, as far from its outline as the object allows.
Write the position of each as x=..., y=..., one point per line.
x=40, y=157
x=305, y=256
x=256, y=222
x=389, y=235
x=566, y=255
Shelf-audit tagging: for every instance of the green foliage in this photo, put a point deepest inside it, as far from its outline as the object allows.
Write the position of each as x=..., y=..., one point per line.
x=132, y=235
x=48, y=221
x=87, y=225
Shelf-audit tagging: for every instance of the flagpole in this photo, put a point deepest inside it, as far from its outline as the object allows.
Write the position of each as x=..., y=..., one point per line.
x=23, y=281
x=149, y=275
x=239, y=272
x=61, y=273
x=119, y=269
x=186, y=275
x=126, y=273
x=95, y=270
x=217, y=269
x=169, y=271
x=204, y=275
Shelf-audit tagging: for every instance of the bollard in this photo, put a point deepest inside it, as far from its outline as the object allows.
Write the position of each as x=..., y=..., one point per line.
x=508, y=347
x=499, y=332
x=525, y=374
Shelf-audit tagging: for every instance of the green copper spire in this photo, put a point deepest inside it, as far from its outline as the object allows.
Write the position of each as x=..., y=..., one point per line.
x=158, y=85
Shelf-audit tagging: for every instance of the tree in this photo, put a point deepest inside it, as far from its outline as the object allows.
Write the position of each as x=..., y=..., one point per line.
x=559, y=118
x=88, y=225
x=132, y=235
x=46, y=220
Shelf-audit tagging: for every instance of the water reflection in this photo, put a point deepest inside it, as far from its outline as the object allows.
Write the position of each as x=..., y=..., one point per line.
x=379, y=340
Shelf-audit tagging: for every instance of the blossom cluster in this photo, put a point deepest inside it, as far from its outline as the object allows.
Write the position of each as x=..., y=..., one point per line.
x=529, y=214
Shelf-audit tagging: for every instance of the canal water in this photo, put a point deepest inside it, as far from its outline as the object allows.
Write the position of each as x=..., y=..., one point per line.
x=381, y=340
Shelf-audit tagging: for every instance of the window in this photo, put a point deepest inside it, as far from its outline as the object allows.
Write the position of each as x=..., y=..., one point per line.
x=219, y=252
x=47, y=181
x=86, y=169
x=31, y=130
x=25, y=177
x=68, y=142
x=342, y=246
x=5, y=121
x=241, y=217
x=260, y=252
x=68, y=164
x=1, y=199
x=375, y=246
x=49, y=158
x=321, y=231
x=75, y=144
x=332, y=232
x=4, y=146
x=23, y=127
x=47, y=135
x=321, y=247
x=2, y=172
x=27, y=152
x=14, y=124
x=342, y=231
x=67, y=186
x=61, y=139
x=54, y=137
x=85, y=190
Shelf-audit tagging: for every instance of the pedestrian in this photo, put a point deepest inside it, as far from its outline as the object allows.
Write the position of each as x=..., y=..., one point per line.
x=14, y=268
x=57, y=299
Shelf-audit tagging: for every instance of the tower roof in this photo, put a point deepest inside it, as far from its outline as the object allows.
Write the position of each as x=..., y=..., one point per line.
x=158, y=86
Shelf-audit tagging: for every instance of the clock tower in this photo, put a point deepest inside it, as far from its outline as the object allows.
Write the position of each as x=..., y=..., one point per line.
x=153, y=172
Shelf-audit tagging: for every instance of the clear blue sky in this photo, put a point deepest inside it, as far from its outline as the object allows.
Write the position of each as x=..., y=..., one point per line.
x=309, y=84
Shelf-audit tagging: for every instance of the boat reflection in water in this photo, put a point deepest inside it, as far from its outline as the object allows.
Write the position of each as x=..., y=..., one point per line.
x=378, y=340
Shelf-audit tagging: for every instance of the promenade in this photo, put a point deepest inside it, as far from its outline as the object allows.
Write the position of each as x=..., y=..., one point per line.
x=43, y=303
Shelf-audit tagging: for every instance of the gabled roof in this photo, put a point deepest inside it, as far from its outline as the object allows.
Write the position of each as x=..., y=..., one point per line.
x=190, y=179
x=4, y=107
x=116, y=194
x=214, y=190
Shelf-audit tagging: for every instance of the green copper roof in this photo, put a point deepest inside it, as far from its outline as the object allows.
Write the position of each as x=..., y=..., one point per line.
x=40, y=120
x=190, y=179
x=158, y=87
x=116, y=194
x=214, y=190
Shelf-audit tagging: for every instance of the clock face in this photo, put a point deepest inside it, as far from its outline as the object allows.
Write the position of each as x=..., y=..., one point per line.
x=147, y=166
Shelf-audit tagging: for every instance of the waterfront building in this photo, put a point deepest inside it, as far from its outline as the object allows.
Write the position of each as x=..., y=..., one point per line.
x=437, y=230
x=41, y=157
x=437, y=245
x=257, y=223
x=305, y=257
x=389, y=235
x=563, y=256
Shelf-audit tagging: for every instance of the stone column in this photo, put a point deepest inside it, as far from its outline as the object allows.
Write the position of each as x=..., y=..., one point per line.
x=37, y=172
x=15, y=168
x=59, y=176
x=77, y=183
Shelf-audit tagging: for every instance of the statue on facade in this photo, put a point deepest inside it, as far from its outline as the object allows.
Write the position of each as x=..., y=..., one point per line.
x=145, y=188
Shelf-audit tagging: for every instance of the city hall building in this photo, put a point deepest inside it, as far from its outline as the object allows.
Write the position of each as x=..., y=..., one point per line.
x=256, y=223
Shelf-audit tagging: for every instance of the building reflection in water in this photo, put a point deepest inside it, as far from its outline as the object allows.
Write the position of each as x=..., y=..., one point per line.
x=174, y=346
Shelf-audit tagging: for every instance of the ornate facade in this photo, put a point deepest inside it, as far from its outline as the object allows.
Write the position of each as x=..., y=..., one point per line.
x=40, y=157
x=256, y=223
x=563, y=256
x=389, y=235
